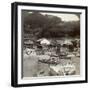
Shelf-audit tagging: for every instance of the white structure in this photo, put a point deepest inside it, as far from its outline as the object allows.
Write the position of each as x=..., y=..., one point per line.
x=68, y=42
x=44, y=41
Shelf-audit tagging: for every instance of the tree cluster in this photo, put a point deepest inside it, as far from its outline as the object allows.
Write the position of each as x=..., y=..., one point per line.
x=49, y=26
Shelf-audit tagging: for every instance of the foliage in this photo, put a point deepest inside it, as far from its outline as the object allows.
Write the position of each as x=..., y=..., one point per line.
x=49, y=26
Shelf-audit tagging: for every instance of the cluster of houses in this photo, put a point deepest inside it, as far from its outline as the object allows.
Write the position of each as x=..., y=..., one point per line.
x=54, y=48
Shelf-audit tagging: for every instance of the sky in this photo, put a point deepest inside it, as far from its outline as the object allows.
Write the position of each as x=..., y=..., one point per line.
x=64, y=16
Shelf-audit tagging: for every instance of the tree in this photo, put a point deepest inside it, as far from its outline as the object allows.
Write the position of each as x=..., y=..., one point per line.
x=44, y=25
x=37, y=20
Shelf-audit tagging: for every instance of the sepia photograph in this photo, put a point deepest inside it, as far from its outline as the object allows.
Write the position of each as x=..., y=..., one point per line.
x=49, y=44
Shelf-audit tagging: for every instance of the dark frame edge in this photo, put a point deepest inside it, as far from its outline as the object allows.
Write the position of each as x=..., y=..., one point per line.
x=86, y=51
x=52, y=83
x=13, y=45
x=51, y=5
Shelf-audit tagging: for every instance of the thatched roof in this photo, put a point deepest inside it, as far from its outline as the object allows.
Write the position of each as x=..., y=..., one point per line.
x=28, y=42
x=44, y=41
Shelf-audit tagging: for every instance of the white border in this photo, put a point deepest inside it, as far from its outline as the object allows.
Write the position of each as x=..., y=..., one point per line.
x=82, y=49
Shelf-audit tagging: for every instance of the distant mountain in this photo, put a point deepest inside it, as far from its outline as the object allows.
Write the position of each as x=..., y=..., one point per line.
x=49, y=26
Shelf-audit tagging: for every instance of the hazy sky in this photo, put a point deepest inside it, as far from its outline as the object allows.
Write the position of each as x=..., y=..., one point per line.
x=64, y=17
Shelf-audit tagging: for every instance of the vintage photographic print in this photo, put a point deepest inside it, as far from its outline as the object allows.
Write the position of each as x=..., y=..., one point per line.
x=49, y=44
